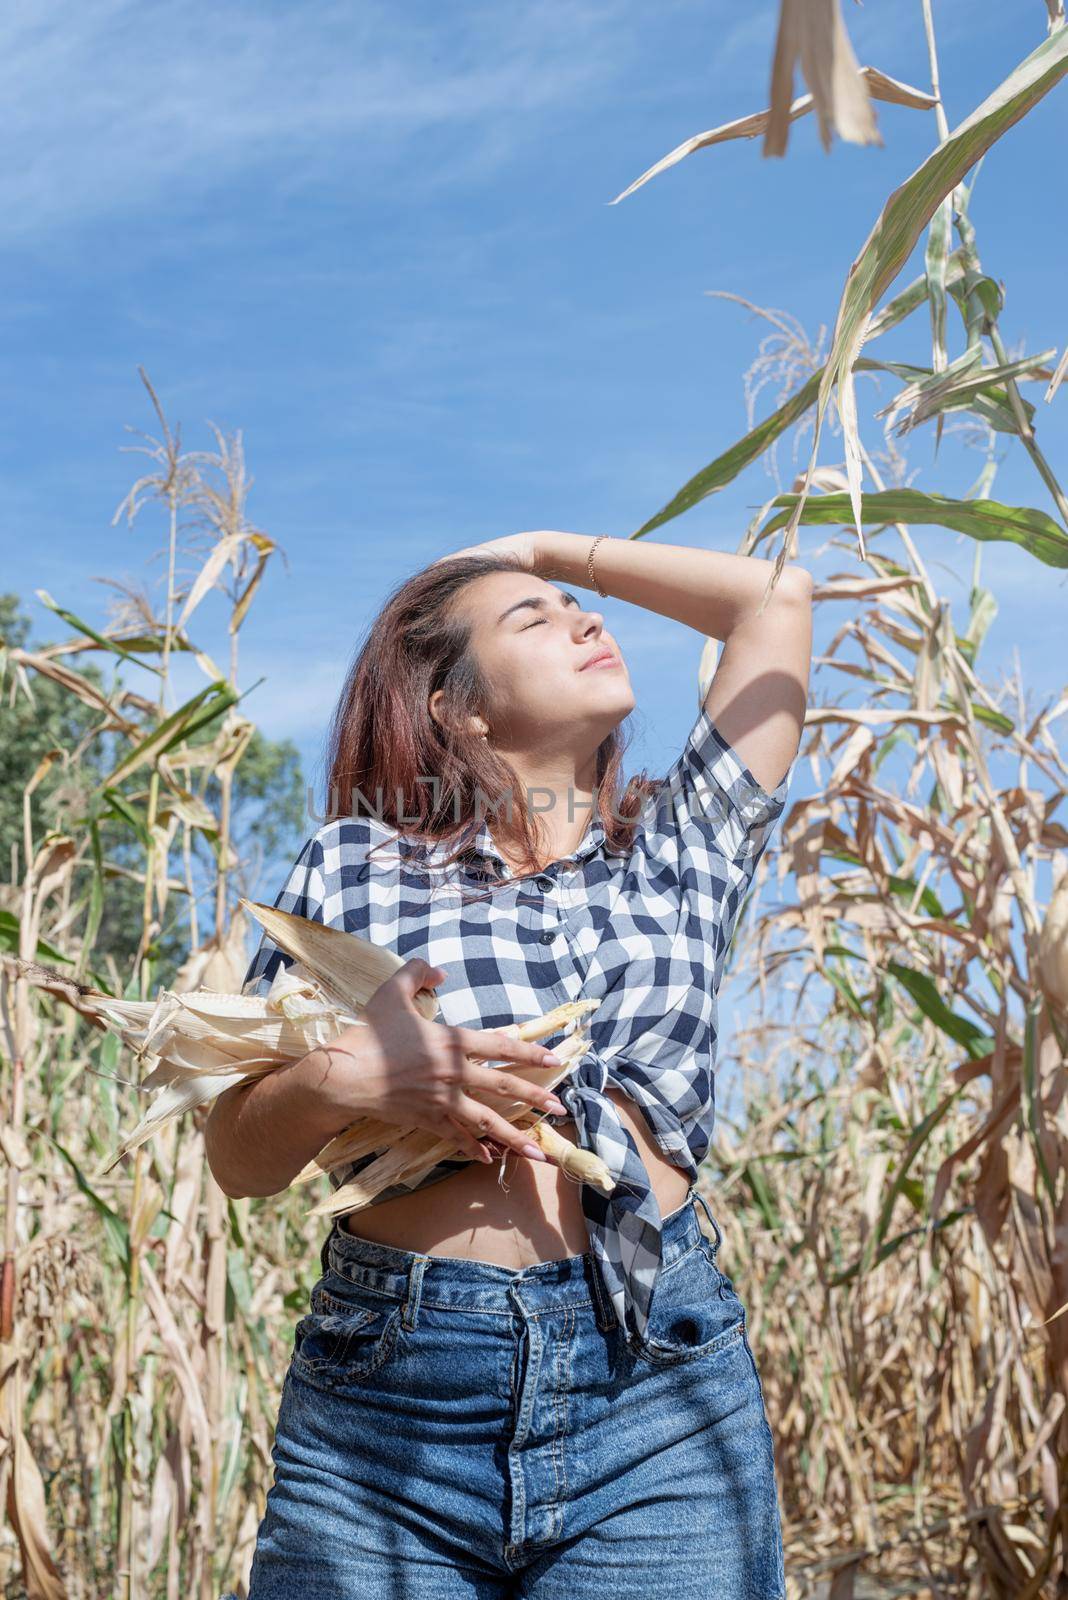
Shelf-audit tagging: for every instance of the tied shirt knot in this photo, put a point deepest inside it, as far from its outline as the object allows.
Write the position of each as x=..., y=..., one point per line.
x=625, y=1225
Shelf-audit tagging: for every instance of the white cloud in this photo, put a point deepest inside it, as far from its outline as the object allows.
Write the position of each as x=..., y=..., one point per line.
x=109, y=106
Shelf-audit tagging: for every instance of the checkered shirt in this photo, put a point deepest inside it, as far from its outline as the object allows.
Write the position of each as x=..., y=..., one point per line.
x=645, y=932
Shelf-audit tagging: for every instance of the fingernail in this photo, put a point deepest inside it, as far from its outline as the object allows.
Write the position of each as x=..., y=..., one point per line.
x=558, y=1107
x=550, y=1060
x=534, y=1151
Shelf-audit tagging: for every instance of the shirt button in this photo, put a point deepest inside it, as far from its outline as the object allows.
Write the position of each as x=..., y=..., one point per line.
x=544, y=883
x=548, y=936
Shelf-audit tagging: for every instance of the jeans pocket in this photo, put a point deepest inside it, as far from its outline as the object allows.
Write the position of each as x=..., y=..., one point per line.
x=695, y=1311
x=346, y=1337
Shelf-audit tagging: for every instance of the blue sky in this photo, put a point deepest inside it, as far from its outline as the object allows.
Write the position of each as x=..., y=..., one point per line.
x=377, y=239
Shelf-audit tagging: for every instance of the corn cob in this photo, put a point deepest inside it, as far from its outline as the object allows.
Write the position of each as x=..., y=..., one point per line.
x=197, y=1044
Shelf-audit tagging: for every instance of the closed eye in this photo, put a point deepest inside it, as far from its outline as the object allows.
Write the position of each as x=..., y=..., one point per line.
x=537, y=603
x=532, y=624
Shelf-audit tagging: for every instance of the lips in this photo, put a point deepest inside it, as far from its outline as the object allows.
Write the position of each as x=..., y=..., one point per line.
x=604, y=654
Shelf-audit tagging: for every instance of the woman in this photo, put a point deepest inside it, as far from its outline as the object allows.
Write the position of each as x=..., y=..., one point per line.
x=509, y=1383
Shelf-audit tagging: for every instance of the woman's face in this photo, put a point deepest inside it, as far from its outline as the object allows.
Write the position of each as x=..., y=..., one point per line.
x=532, y=641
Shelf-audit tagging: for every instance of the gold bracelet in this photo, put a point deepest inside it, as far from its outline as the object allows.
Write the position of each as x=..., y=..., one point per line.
x=589, y=566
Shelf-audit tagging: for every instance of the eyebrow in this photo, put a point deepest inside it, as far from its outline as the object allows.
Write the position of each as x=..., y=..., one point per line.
x=539, y=603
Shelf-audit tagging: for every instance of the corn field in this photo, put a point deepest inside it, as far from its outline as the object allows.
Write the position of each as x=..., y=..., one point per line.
x=893, y=1180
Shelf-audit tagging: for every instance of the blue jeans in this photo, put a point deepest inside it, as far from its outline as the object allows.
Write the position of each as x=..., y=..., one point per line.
x=453, y=1428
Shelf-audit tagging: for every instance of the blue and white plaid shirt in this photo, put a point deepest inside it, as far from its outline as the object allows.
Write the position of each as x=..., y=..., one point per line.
x=645, y=932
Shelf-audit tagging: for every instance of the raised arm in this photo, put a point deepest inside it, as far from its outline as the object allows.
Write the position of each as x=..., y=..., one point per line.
x=759, y=690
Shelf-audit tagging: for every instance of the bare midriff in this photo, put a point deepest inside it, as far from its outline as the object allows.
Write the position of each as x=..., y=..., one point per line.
x=537, y=1218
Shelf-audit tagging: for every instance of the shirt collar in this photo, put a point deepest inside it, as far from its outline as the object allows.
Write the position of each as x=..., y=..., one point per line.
x=483, y=848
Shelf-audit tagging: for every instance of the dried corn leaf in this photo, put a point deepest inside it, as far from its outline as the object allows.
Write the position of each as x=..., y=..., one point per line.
x=26, y=1507
x=1058, y=376
x=813, y=33
x=879, y=85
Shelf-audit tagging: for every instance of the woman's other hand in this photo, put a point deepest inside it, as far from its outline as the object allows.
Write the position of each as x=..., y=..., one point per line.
x=399, y=1068
x=524, y=545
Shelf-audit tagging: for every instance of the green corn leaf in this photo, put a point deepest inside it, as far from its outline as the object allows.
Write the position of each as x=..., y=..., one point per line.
x=204, y=707
x=9, y=941
x=888, y=246
x=921, y=987
x=1033, y=530
x=763, y=1198
x=905, y=889
x=892, y=1246
x=725, y=468
x=1030, y=1104
x=938, y=237
x=115, y=1228
x=117, y=647
x=957, y=385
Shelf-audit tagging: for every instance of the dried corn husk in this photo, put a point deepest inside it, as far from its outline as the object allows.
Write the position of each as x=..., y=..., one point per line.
x=199, y=1043
x=408, y=1158
x=347, y=969
x=196, y=1045
x=1053, y=943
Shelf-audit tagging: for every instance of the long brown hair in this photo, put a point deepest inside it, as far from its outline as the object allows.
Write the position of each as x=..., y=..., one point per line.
x=383, y=738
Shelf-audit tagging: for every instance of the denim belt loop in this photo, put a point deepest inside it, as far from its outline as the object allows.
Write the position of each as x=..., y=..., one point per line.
x=605, y=1311
x=414, y=1291
x=704, y=1203
x=324, y=1253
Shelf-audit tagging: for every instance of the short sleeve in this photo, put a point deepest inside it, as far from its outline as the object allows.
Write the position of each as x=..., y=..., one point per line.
x=303, y=893
x=710, y=798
